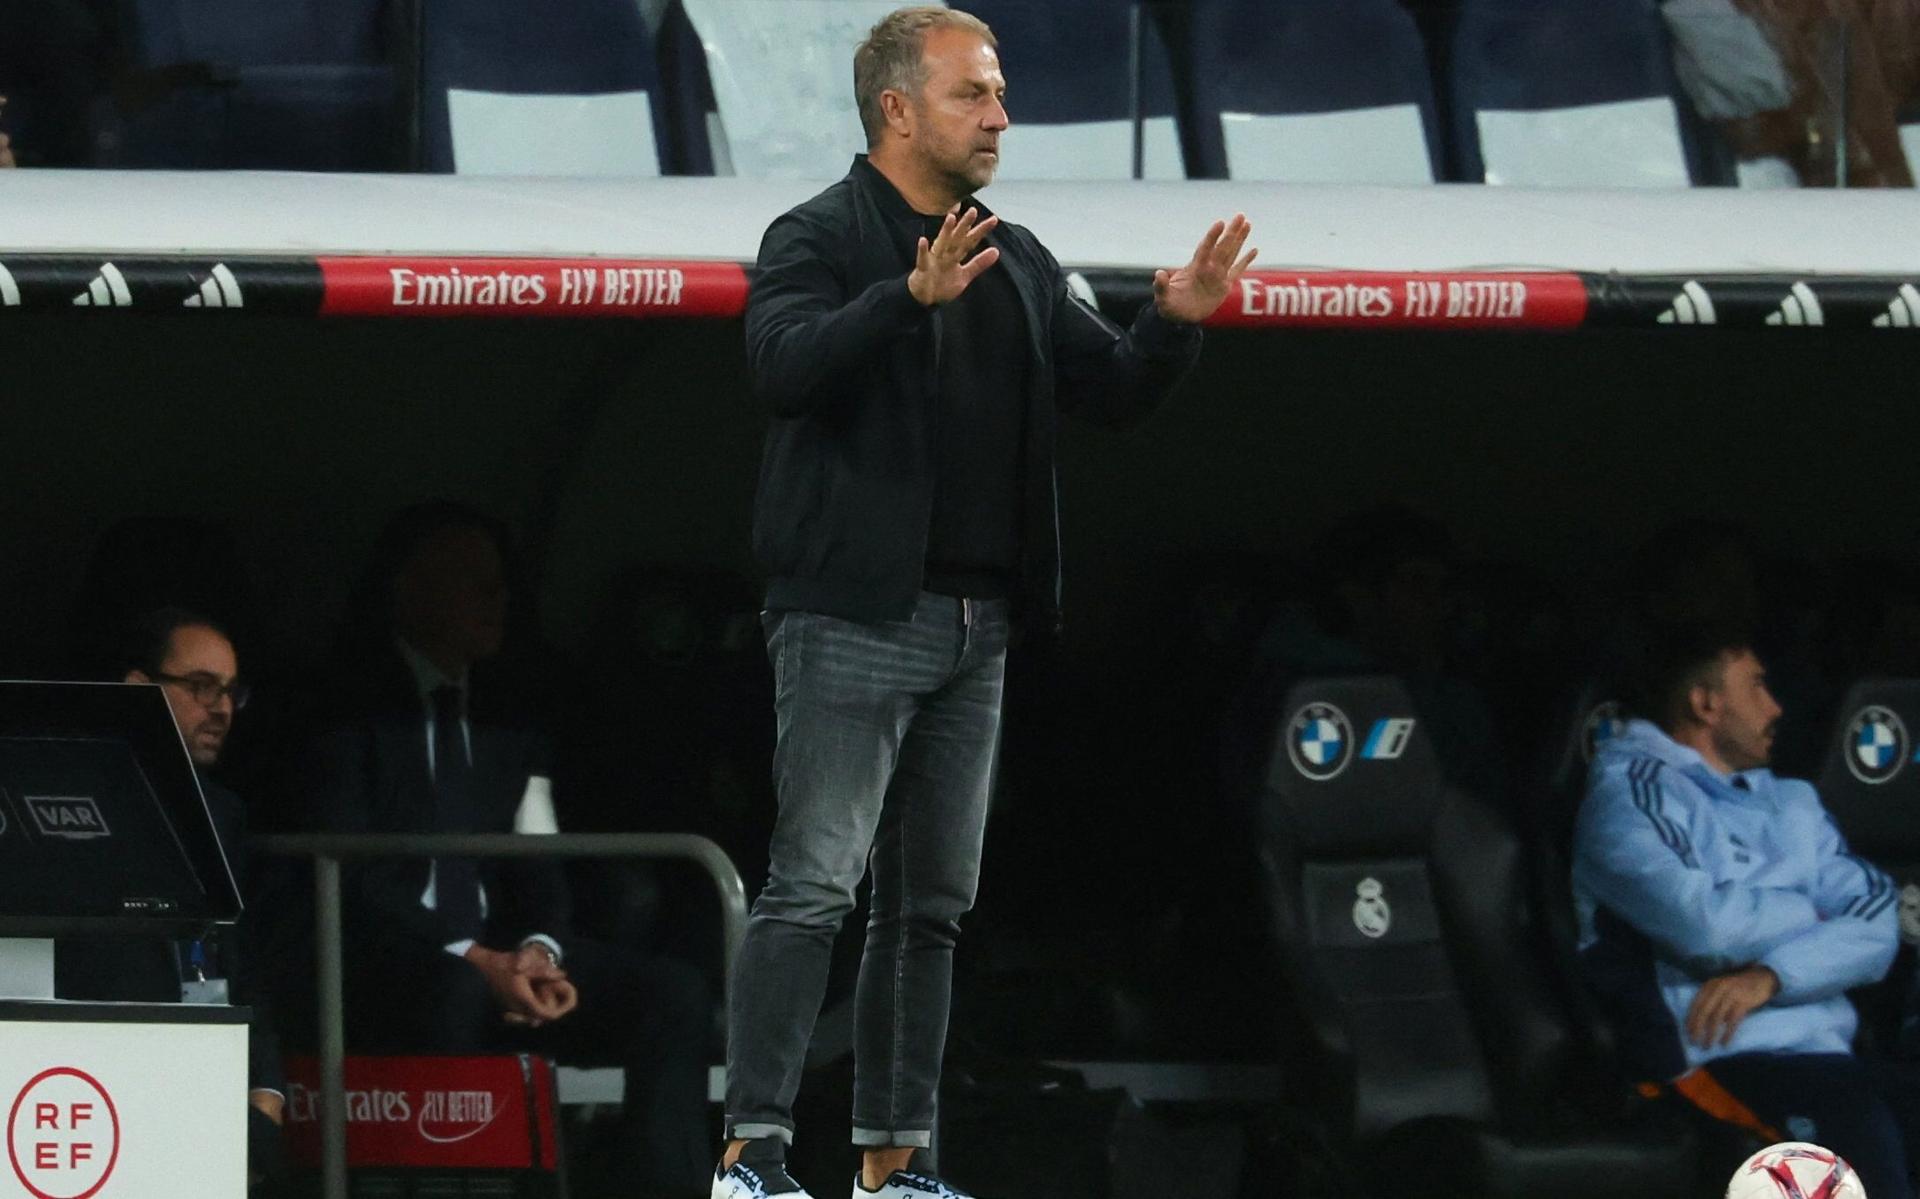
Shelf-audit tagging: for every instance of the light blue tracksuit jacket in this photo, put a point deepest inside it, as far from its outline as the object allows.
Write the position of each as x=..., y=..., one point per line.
x=1681, y=873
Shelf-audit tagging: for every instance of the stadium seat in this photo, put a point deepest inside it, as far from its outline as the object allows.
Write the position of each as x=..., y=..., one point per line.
x=1071, y=89
x=1311, y=91
x=296, y=85
x=764, y=89
x=571, y=90
x=1566, y=93
x=1432, y=1035
x=1590, y=718
x=1870, y=782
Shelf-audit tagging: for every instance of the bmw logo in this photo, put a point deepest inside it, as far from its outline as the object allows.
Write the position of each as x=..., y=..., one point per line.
x=1876, y=745
x=1320, y=741
x=1603, y=724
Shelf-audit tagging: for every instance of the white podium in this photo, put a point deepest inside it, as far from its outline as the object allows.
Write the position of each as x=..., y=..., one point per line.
x=123, y=1100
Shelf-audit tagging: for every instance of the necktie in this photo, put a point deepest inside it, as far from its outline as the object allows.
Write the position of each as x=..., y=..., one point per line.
x=456, y=880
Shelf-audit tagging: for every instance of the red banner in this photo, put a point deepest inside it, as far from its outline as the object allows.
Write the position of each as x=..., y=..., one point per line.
x=531, y=287
x=431, y=1112
x=1363, y=300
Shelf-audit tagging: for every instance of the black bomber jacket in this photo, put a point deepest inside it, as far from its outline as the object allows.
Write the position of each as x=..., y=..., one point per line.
x=846, y=360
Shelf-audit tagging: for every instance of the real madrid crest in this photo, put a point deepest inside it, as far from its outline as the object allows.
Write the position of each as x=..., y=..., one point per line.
x=1876, y=746
x=1320, y=741
x=1371, y=915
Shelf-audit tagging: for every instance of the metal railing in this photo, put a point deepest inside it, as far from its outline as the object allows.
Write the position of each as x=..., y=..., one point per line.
x=329, y=850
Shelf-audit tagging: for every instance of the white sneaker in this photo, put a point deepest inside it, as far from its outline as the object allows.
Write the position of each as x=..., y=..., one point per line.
x=742, y=1181
x=905, y=1184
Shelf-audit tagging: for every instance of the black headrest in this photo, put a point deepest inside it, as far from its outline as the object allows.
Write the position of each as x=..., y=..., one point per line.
x=1589, y=720
x=1351, y=768
x=1870, y=777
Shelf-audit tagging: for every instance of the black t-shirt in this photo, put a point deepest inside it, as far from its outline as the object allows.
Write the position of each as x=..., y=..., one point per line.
x=979, y=434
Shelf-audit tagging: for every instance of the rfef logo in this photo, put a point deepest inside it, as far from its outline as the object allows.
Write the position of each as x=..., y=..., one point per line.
x=1320, y=741
x=63, y=1134
x=69, y=817
x=1876, y=745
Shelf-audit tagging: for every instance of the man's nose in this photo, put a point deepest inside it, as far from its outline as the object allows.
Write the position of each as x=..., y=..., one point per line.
x=997, y=118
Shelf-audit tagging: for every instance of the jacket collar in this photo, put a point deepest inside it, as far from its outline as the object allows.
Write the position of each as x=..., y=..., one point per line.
x=1643, y=738
x=892, y=204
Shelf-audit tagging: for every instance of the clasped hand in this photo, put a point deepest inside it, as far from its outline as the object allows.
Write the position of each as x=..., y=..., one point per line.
x=530, y=989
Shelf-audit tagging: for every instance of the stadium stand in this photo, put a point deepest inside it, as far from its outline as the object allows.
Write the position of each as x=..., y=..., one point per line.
x=1402, y=922
x=304, y=85
x=765, y=86
x=570, y=91
x=1075, y=86
x=1311, y=91
x=1566, y=93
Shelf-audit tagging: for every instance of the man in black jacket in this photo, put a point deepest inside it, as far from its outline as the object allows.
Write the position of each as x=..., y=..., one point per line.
x=429, y=731
x=914, y=351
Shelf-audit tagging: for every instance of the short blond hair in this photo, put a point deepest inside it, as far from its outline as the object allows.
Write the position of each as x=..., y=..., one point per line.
x=892, y=57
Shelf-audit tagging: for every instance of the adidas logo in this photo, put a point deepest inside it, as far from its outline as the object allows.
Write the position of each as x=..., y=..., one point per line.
x=9, y=293
x=220, y=291
x=1903, y=313
x=1693, y=306
x=1801, y=307
x=108, y=290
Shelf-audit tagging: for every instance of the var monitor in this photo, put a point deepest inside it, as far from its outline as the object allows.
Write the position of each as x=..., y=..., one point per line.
x=103, y=827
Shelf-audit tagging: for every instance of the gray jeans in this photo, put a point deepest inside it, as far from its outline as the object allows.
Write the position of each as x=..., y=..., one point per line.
x=887, y=734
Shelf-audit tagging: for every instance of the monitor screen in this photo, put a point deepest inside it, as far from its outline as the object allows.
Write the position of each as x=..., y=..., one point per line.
x=102, y=823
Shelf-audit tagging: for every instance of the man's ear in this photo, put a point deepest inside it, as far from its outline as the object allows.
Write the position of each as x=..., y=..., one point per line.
x=893, y=109
x=136, y=676
x=1703, y=703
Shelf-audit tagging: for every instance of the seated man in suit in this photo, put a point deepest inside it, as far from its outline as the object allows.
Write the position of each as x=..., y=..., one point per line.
x=429, y=732
x=193, y=661
x=1723, y=920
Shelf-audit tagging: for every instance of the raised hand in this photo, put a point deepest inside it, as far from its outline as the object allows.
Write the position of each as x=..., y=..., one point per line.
x=1190, y=294
x=942, y=270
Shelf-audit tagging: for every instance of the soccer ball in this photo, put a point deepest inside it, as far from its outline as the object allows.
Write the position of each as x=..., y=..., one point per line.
x=1795, y=1170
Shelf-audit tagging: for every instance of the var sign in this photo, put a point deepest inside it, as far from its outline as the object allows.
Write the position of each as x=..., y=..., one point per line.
x=63, y=1134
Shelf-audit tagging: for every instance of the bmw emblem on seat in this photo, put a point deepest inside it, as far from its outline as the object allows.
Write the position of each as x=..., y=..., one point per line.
x=1876, y=745
x=1320, y=741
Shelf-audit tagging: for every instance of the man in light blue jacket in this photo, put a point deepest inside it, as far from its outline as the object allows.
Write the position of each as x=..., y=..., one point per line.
x=1723, y=919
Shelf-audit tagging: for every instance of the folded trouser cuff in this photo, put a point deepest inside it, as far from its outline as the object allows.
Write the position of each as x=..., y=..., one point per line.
x=760, y=1132
x=881, y=1138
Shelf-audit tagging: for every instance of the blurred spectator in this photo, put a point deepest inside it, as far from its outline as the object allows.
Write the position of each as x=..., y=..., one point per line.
x=428, y=731
x=6, y=141
x=1860, y=58
x=1725, y=60
x=1722, y=917
x=193, y=661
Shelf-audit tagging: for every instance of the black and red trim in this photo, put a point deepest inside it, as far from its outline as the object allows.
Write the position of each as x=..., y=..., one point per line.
x=411, y=286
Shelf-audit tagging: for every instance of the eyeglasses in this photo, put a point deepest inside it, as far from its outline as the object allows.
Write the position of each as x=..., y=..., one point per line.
x=208, y=690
